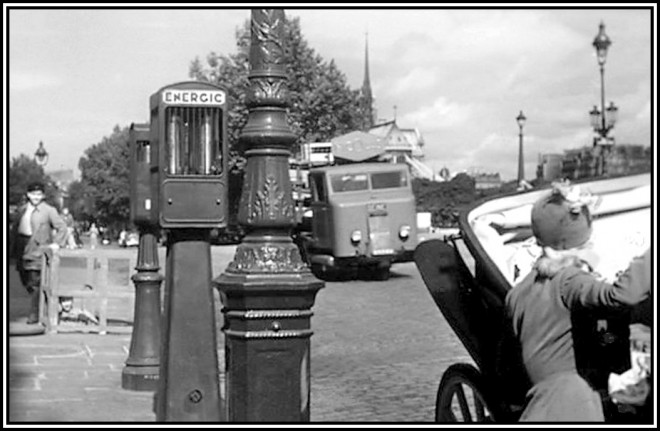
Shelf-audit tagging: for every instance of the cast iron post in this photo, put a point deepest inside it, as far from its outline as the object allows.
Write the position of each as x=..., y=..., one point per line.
x=267, y=290
x=142, y=365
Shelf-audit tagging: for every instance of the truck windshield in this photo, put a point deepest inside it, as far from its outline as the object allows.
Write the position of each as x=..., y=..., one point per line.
x=388, y=180
x=379, y=180
x=349, y=182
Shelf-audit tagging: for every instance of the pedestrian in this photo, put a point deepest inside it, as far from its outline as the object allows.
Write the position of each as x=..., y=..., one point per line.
x=93, y=236
x=38, y=225
x=70, y=223
x=76, y=234
x=560, y=286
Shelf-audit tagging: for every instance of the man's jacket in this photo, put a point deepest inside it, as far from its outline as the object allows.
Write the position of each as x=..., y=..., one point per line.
x=47, y=228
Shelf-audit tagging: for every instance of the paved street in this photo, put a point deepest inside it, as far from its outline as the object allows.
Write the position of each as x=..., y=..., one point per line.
x=378, y=352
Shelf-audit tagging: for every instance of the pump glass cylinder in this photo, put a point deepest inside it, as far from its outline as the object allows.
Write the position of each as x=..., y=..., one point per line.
x=194, y=140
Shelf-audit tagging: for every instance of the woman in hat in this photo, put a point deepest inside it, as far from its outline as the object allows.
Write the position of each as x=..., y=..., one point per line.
x=540, y=307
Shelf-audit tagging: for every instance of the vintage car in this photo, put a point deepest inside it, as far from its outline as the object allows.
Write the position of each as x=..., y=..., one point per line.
x=468, y=276
x=363, y=219
x=128, y=239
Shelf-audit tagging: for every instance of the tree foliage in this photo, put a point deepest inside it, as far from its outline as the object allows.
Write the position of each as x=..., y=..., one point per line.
x=23, y=171
x=80, y=204
x=445, y=200
x=102, y=195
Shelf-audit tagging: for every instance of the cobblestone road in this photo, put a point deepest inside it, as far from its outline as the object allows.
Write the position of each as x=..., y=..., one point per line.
x=379, y=350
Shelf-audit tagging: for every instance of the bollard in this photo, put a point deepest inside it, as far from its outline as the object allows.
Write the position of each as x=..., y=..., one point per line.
x=142, y=366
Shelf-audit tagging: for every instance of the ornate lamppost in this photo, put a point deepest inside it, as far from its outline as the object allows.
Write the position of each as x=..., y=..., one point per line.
x=41, y=155
x=603, y=119
x=267, y=290
x=521, y=161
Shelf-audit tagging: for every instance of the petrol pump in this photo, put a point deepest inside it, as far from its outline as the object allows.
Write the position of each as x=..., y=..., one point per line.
x=142, y=366
x=188, y=177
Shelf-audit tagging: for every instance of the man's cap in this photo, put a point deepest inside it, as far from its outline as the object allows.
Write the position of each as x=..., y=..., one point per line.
x=36, y=186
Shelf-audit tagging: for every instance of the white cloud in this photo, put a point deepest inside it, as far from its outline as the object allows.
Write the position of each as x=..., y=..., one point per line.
x=644, y=112
x=415, y=80
x=24, y=81
x=443, y=113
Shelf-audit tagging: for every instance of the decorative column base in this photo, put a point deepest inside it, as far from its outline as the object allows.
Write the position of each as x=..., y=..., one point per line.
x=267, y=333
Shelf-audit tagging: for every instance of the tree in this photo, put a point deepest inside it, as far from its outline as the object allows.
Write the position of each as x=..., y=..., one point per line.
x=23, y=171
x=104, y=182
x=80, y=205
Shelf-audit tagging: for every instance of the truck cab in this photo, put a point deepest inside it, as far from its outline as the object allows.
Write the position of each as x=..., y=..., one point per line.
x=363, y=217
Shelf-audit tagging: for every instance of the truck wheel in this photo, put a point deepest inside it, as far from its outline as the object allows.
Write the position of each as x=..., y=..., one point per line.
x=324, y=272
x=381, y=274
x=319, y=270
x=377, y=273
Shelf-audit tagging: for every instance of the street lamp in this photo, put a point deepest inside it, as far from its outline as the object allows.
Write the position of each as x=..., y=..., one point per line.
x=267, y=290
x=521, y=162
x=41, y=155
x=603, y=119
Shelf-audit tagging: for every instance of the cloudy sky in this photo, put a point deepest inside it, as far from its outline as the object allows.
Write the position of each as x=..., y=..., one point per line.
x=459, y=75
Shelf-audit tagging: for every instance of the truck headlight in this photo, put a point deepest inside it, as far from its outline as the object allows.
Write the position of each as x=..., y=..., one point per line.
x=404, y=232
x=356, y=237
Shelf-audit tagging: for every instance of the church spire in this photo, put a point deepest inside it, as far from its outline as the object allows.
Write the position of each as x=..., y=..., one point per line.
x=367, y=96
x=366, y=84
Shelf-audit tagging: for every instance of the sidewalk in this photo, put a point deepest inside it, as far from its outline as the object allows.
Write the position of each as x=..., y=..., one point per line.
x=67, y=377
x=72, y=378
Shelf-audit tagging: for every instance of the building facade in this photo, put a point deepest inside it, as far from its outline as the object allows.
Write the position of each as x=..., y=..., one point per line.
x=594, y=161
x=549, y=167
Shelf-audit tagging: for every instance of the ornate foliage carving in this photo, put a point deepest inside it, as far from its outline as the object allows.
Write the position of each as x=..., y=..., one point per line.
x=270, y=203
x=270, y=88
x=267, y=258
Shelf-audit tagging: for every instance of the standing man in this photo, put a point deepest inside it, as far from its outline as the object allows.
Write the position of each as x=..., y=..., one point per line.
x=38, y=225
